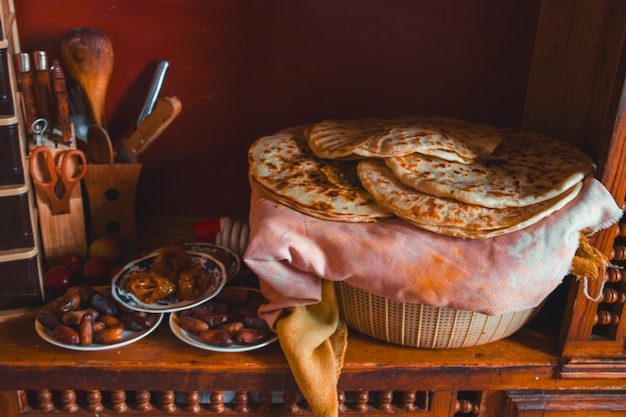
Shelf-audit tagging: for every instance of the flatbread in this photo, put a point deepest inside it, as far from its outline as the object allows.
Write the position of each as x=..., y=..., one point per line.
x=444, y=137
x=526, y=169
x=447, y=216
x=337, y=139
x=291, y=174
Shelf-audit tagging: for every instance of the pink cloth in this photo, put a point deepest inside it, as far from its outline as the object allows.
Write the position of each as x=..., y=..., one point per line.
x=292, y=252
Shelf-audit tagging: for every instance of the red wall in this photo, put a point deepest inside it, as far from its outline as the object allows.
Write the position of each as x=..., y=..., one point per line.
x=244, y=69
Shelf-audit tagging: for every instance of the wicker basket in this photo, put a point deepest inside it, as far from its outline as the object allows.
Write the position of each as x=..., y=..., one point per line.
x=423, y=326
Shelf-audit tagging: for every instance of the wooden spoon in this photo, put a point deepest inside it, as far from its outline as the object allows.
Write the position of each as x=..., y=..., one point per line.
x=99, y=149
x=88, y=55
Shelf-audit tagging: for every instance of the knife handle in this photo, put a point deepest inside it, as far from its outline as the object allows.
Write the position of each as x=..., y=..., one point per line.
x=25, y=75
x=165, y=111
x=63, y=110
x=43, y=91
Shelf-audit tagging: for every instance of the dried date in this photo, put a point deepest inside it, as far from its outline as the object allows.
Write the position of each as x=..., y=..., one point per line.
x=108, y=336
x=216, y=337
x=65, y=334
x=192, y=324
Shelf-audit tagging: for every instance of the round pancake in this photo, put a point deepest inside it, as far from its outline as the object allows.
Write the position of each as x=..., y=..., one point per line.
x=447, y=216
x=526, y=169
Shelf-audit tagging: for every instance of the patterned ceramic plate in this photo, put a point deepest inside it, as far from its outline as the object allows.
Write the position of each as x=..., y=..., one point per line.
x=170, y=303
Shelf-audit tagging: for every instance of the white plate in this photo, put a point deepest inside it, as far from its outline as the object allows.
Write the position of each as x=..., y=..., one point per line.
x=129, y=337
x=171, y=303
x=192, y=340
x=234, y=261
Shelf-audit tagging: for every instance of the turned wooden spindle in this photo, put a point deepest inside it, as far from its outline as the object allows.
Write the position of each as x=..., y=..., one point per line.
x=93, y=400
x=613, y=275
x=142, y=399
x=618, y=253
x=167, y=401
x=408, y=400
x=68, y=401
x=217, y=402
x=361, y=400
x=44, y=400
x=291, y=401
x=465, y=406
x=385, y=401
x=604, y=318
x=341, y=399
x=611, y=296
x=118, y=401
x=621, y=230
x=192, y=402
x=242, y=402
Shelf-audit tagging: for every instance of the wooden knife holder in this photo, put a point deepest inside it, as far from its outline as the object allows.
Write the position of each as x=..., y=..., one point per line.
x=111, y=190
x=61, y=233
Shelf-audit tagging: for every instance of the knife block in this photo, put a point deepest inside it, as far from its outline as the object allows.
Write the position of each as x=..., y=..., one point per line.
x=60, y=233
x=111, y=190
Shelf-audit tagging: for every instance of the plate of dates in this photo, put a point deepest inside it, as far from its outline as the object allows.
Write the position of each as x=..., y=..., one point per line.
x=169, y=280
x=231, y=261
x=227, y=323
x=87, y=318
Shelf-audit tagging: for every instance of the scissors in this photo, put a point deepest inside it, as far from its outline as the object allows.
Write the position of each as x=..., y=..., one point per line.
x=57, y=180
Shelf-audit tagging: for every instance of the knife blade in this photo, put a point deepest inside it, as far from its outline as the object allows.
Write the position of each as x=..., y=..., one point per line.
x=166, y=109
x=153, y=93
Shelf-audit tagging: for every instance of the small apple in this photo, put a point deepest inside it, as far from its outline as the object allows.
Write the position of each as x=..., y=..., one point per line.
x=58, y=279
x=96, y=270
x=106, y=246
x=73, y=260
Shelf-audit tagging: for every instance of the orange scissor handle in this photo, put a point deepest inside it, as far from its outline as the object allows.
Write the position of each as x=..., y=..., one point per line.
x=57, y=181
x=72, y=173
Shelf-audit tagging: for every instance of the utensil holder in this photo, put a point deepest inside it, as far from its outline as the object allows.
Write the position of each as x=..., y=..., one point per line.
x=111, y=190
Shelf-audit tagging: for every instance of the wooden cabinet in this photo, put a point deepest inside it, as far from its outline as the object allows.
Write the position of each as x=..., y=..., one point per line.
x=570, y=361
x=20, y=258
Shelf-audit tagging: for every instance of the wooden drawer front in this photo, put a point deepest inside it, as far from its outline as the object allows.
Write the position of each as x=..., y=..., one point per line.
x=19, y=280
x=7, y=108
x=11, y=166
x=16, y=229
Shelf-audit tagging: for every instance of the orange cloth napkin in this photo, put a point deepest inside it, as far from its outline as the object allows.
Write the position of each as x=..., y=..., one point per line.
x=313, y=338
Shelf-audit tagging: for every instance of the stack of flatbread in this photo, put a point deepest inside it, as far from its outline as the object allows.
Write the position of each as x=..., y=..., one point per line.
x=445, y=175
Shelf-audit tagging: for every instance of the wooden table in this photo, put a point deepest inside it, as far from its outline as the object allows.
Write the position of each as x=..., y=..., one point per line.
x=379, y=377
x=161, y=375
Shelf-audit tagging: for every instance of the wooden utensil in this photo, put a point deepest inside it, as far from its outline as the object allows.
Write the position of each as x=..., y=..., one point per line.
x=99, y=148
x=88, y=55
x=165, y=111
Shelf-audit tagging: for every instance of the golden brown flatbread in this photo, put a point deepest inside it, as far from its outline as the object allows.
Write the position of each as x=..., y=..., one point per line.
x=444, y=137
x=291, y=174
x=447, y=216
x=526, y=169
